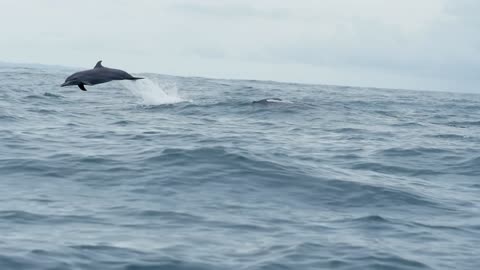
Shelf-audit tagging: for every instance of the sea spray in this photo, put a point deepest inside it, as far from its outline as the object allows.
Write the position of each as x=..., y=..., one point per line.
x=154, y=92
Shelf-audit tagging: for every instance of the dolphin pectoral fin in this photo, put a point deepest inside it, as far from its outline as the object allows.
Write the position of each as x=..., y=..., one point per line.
x=82, y=86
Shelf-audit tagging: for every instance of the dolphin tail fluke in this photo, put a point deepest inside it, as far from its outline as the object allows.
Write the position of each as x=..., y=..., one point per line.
x=135, y=78
x=82, y=87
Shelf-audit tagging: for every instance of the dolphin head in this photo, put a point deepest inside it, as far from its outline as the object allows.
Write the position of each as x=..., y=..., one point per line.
x=72, y=80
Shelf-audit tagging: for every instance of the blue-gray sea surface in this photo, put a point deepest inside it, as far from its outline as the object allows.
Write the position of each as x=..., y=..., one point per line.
x=186, y=173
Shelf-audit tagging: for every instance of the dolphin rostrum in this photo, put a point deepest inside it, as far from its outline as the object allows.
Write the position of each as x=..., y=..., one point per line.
x=99, y=74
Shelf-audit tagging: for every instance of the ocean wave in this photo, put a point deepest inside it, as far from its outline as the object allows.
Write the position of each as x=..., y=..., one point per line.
x=408, y=125
x=394, y=169
x=407, y=152
x=463, y=124
x=10, y=118
x=23, y=217
x=354, y=194
x=259, y=174
x=470, y=167
x=303, y=256
x=450, y=136
x=187, y=173
x=97, y=257
x=52, y=95
x=178, y=217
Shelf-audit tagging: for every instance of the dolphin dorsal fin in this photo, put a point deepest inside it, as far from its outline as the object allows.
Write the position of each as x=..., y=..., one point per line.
x=99, y=64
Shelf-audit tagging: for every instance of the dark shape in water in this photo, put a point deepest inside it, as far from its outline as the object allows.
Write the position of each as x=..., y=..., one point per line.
x=267, y=100
x=99, y=74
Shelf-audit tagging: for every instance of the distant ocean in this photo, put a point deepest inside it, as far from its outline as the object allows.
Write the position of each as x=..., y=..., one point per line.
x=187, y=173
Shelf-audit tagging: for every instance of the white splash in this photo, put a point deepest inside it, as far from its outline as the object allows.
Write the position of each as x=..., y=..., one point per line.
x=277, y=100
x=154, y=92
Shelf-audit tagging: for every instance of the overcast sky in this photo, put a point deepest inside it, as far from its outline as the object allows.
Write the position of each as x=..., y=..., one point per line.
x=413, y=44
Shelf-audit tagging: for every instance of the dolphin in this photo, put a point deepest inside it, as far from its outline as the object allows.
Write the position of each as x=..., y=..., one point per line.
x=98, y=74
x=267, y=101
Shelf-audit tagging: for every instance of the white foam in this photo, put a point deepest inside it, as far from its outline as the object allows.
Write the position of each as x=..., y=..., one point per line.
x=154, y=92
x=278, y=101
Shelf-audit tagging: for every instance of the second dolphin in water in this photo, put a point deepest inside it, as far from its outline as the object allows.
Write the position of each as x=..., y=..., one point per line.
x=267, y=101
x=99, y=74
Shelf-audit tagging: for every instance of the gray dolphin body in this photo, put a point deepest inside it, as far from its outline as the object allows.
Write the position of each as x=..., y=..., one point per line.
x=99, y=74
x=267, y=101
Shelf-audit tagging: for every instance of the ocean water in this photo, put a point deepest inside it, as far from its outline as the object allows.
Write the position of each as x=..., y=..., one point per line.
x=186, y=173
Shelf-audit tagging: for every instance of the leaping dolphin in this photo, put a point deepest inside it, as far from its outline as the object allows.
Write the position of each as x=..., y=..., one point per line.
x=99, y=74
